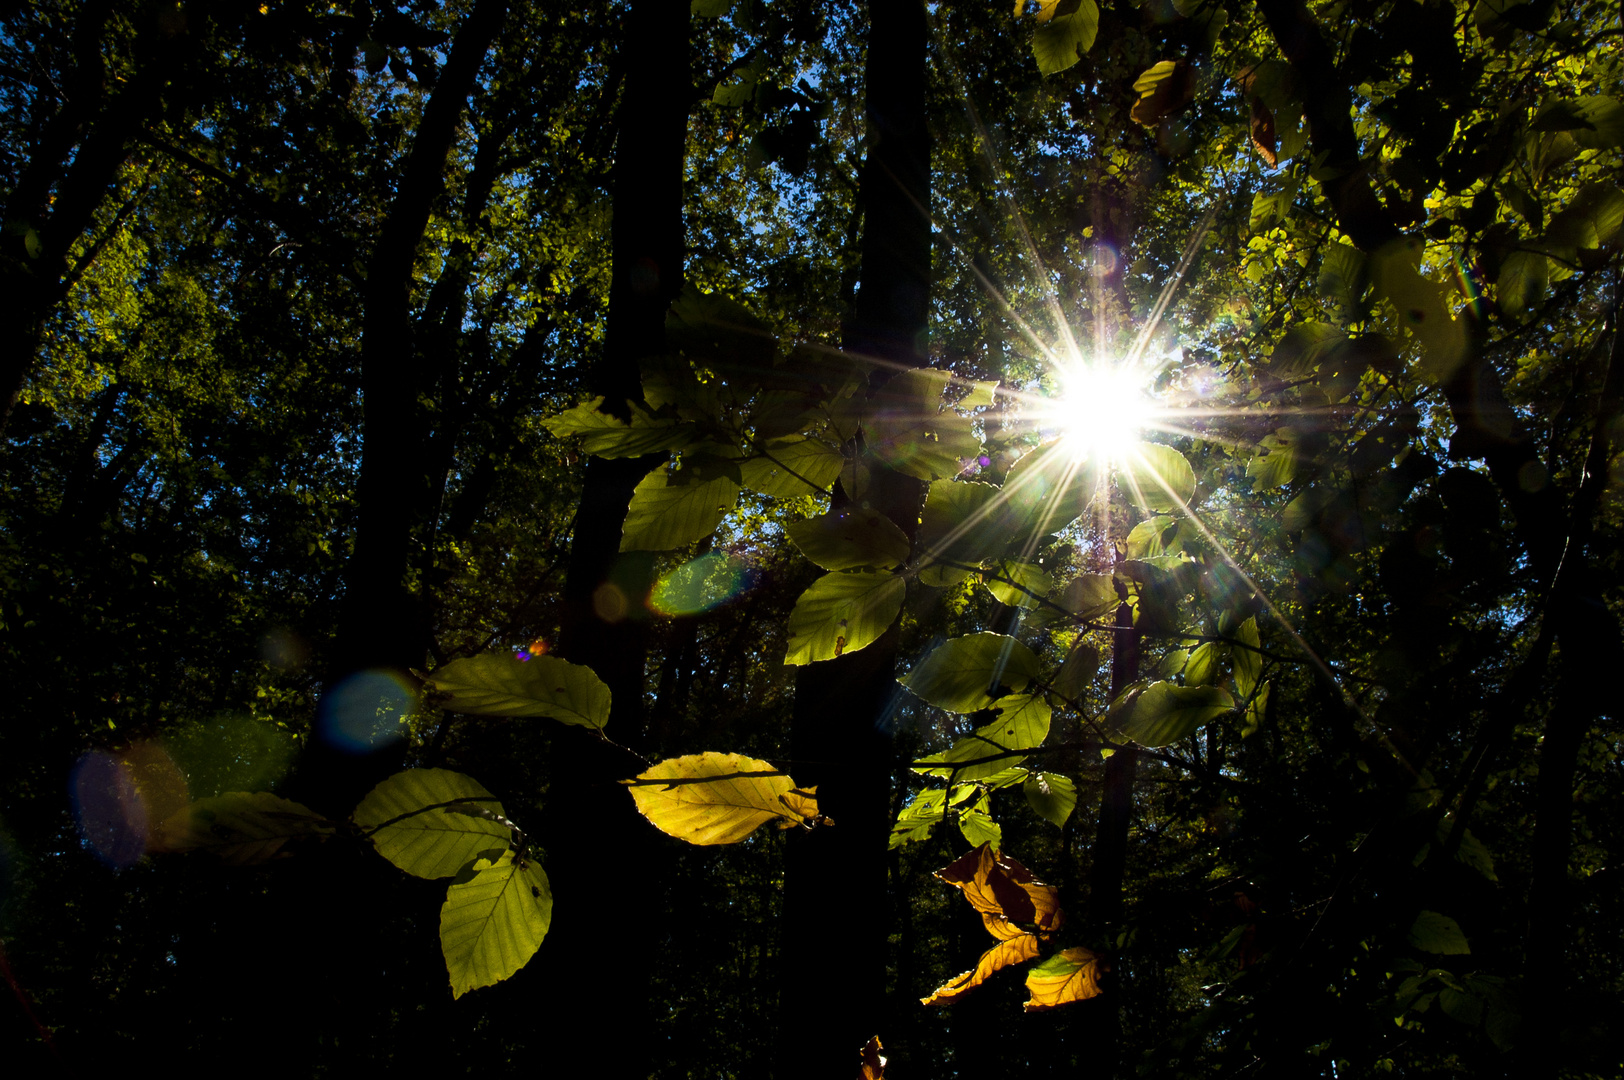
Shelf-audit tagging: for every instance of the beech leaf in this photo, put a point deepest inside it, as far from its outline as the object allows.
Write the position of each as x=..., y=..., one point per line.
x=499, y=684
x=419, y=820
x=714, y=798
x=841, y=613
x=493, y=923
x=241, y=827
x=873, y=1062
x=850, y=539
x=1068, y=976
x=965, y=674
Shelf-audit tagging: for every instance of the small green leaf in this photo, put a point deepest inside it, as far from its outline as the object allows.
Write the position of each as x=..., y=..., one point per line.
x=841, y=613
x=961, y=674
x=1166, y=713
x=1435, y=933
x=849, y=539
x=1045, y=491
x=433, y=822
x=1022, y=724
x=667, y=513
x=1158, y=478
x=499, y=684
x=1052, y=796
x=977, y=825
x=493, y=923
x=927, y=810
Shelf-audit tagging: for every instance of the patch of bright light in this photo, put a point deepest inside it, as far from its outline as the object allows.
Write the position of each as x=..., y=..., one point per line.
x=1103, y=409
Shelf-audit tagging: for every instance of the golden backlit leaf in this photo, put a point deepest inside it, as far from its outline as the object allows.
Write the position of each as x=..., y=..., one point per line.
x=998, y=885
x=1017, y=948
x=873, y=1067
x=719, y=798
x=1068, y=976
x=803, y=804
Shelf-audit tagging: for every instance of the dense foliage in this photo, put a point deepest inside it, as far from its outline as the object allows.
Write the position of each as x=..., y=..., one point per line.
x=1130, y=492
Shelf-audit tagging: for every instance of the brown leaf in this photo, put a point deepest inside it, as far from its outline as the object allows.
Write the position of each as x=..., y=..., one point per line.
x=873, y=1061
x=805, y=804
x=997, y=884
x=1164, y=89
x=1017, y=947
x=1263, y=136
x=1068, y=976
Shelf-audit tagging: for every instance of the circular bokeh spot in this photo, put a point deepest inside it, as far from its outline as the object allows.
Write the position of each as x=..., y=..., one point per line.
x=366, y=711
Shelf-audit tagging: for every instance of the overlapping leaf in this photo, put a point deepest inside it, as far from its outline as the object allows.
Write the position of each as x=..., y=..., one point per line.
x=608, y=436
x=1016, y=909
x=967, y=673
x=798, y=465
x=667, y=513
x=498, y=684
x=714, y=798
x=1069, y=976
x=492, y=923
x=850, y=538
x=433, y=822
x=1166, y=712
x=1022, y=724
x=240, y=827
x=842, y=612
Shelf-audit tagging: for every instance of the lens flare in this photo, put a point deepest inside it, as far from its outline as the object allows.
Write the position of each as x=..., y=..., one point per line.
x=366, y=711
x=705, y=583
x=1103, y=410
x=119, y=800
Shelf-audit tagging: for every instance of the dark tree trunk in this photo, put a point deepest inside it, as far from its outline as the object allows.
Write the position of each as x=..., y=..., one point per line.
x=834, y=952
x=603, y=858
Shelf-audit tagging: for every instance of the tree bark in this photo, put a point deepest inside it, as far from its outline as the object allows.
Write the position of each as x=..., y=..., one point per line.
x=835, y=934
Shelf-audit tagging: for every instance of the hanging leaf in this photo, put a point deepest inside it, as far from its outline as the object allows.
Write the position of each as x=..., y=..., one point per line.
x=1248, y=660
x=1435, y=933
x=433, y=822
x=493, y=923
x=927, y=810
x=666, y=512
x=1206, y=664
x=1069, y=976
x=1158, y=478
x=1262, y=131
x=1022, y=724
x=1066, y=32
x=498, y=684
x=608, y=436
x=1276, y=462
x=716, y=798
x=1017, y=947
x=1045, y=491
x=240, y=827
x=1077, y=672
x=1595, y=122
x=842, y=612
x=873, y=1062
x=1088, y=596
x=1164, y=89
x=998, y=885
x=1052, y=797
x=785, y=468
x=1422, y=306
x=926, y=447
x=851, y=538
x=959, y=523
x=1165, y=713
x=1031, y=584
x=967, y=673
x=1522, y=281
x=1152, y=537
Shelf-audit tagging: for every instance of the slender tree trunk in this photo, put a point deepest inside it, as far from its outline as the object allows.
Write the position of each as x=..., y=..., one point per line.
x=603, y=858
x=834, y=951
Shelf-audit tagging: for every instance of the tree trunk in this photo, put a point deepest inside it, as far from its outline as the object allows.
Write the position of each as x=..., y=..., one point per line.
x=603, y=858
x=834, y=951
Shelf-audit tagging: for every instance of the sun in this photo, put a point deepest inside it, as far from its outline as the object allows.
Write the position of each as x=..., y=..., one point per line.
x=1103, y=409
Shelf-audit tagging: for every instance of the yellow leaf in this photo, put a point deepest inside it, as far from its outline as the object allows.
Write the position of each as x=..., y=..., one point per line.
x=1017, y=947
x=873, y=1067
x=716, y=798
x=998, y=885
x=1068, y=976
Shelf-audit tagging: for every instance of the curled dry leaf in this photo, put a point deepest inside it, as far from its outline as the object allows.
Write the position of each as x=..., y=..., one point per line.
x=716, y=798
x=1015, y=908
x=1068, y=976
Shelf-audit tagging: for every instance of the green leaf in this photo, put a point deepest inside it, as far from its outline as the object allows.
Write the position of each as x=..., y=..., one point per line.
x=721, y=331
x=1276, y=463
x=1158, y=478
x=841, y=613
x=667, y=513
x=608, y=436
x=924, y=445
x=1248, y=661
x=959, y=673
x=1421, y=305
x=1031, y=583
x=849, y=539
x=499, y=684
x=799, y=465
x=1063, y=39
x=1151, y=537
x=1075, y=675
x=977, y=825
x=1166, y=713
x=437, y=842
x=1206, y=664
x=493, y=923
x=1304, y=347
x=1045, y=491
x=1052, y=797
x=1595, y=122
x=1591, y=218
x=1435, y=933
x=959, y=523
x=1522, y=281
x=240, y=827
x=1089, y=597
x=927, y=810
x=1022, y=724
x=710, y=9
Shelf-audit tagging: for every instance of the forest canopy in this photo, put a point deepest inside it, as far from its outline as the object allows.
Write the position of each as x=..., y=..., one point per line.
x=806, y=538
